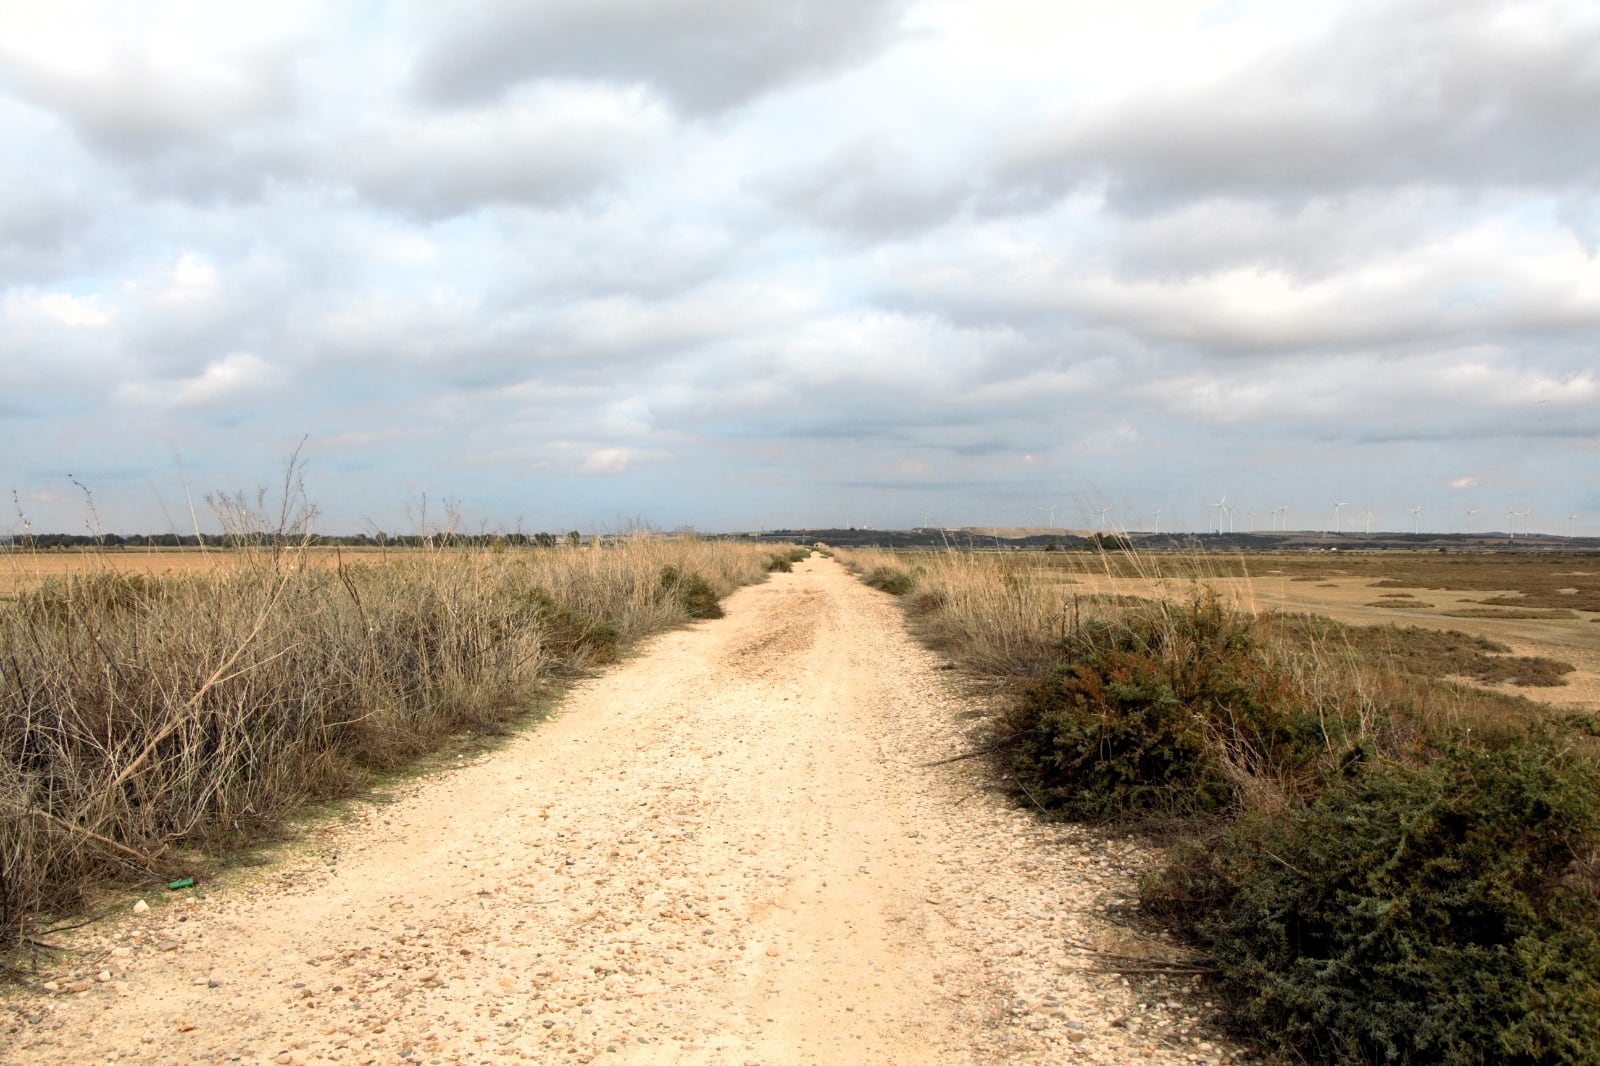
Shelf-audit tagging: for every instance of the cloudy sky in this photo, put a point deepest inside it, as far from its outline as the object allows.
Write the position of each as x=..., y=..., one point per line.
x=580, y=263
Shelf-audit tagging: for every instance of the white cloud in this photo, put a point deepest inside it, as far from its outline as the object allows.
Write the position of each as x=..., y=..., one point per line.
x=239, y=376
x=233, y=376
x=190, y=281
x=143, y=91
x=613, y=461
x=22, y=306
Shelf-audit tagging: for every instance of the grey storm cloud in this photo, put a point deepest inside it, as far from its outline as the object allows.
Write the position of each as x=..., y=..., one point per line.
x=703, y=55
x=545, y=149
x=1434, y=94
x=134, y=104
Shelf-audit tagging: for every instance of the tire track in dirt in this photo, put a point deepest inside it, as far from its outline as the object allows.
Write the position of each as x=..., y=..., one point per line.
x=725, y=850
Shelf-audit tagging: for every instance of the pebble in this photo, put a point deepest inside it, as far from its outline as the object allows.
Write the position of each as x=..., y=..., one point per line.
x=141, y=907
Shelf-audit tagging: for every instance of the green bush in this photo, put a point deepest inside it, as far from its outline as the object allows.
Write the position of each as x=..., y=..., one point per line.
x=692, y=591
x=1161, y=712
x=1107, y=736
x=890, y=579
x=1444, y=913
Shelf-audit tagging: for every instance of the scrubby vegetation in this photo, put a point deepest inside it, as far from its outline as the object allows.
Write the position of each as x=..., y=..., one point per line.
x=144, y=713
x=1164, y=712
x=692, y=592
x=1443, y=910
x=890, y=579
x=1381, y=864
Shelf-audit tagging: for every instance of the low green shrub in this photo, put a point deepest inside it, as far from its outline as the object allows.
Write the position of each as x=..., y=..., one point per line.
x=890, y=579
x=1107, y=736
x=1162, y=712
x=1440, y=913
x=692, y=591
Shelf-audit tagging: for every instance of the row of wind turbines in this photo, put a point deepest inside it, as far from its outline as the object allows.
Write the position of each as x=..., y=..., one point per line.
x=1512, y=514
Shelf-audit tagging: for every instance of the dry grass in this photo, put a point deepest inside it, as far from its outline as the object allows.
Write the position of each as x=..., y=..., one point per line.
x=146, y=711
x=22, y=571
x=1382, y=859
x=1013, y=616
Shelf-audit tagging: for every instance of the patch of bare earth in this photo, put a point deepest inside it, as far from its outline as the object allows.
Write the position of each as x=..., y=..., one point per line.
x=727, y=850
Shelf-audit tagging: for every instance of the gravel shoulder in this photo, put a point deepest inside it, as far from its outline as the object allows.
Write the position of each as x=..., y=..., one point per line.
x=729, y=849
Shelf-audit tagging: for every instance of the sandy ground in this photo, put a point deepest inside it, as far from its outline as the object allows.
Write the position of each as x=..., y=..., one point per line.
x=729, y=849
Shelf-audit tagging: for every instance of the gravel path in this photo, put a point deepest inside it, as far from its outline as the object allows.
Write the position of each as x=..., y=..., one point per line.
x=727, y=850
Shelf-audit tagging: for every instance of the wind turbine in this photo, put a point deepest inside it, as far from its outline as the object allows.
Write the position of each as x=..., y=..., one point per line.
x=1230, y=519
x=1470, y=512
x=1570, y=519
x=1221, y=505
x=1511, y=524
x=1337, y=504
x=1367, y=526
x=1052, y=510
x=1157, y=528
x=1251, y=526
x=1103, y=511
x=1416, y=519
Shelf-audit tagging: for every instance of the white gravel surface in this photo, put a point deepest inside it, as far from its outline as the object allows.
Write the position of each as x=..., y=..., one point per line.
x=728, y=849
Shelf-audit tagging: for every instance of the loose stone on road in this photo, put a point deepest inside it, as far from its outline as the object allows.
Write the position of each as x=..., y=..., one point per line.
x=728, y=849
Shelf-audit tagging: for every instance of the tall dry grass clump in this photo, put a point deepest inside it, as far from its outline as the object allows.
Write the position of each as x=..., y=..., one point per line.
x=143, y=713
x=1381, y=864
x=1005, y=614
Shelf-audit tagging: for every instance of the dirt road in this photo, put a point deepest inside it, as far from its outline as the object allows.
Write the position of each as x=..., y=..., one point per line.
x=726, y=850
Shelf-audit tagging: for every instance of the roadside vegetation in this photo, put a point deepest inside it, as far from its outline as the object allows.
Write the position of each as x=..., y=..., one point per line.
x=1377, y=860
x=144, y=716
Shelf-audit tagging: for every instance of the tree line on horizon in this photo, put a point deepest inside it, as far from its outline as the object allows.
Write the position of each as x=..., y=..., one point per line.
x=47, y=541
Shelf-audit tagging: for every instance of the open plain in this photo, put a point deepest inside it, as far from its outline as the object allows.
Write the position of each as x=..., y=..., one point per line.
x=729, y=849
x=741, y=845
x=1536, y=605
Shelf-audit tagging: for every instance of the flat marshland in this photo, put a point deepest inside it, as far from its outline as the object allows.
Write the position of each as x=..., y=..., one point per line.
x=1533, y=605
x=1381, y=848
x=151, y=701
